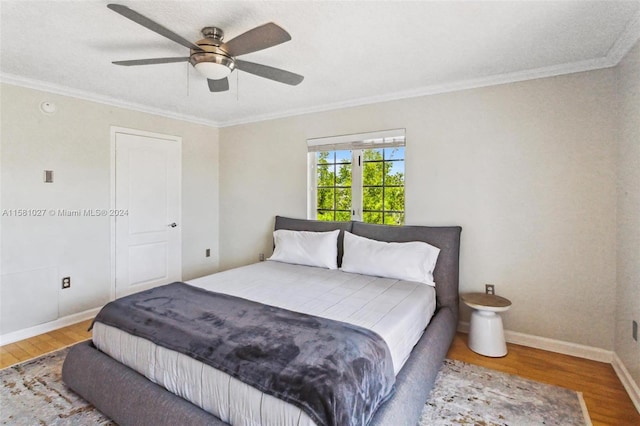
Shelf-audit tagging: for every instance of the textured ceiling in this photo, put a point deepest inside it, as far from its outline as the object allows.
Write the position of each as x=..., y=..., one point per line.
x=350, y=53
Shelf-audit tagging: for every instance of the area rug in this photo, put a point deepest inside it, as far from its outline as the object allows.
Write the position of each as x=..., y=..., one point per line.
x=32, y=393
x=466, y=394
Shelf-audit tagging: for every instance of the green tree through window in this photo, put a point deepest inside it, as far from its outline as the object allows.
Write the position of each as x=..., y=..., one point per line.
x=334, y=185
x=381, y=194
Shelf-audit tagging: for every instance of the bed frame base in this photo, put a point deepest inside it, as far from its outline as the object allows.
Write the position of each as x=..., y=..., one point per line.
x=129, y=398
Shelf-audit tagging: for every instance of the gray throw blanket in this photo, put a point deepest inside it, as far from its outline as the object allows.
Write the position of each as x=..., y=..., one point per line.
x=338, y=373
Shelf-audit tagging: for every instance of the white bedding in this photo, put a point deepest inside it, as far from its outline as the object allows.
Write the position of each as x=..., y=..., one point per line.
x=397, y=310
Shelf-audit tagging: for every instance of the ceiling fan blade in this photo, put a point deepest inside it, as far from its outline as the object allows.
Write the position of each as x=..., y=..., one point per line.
x=221, y=85
x=271, y=73
x=149, y=24
x=262, y=37
x=151, y=61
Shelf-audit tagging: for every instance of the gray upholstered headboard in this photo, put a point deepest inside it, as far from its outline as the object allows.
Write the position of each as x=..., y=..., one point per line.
x=446, y=238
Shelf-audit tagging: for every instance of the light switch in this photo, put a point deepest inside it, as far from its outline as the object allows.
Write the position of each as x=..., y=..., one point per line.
x=48, y=176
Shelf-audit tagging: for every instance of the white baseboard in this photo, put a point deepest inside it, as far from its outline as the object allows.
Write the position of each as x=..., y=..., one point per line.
x=627, y=381
x=559, y=346
x=552, y=345
x=25, y=333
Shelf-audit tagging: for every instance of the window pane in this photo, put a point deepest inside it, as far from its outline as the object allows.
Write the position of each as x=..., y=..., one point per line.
x=394, y=218
x=394, y=199
x=325, y=199
x=343, y=199
x=372, y=217
x=325, y=175
x=343, y=156
x=394, y=153
x=372, y=154
x=394, y=173
x=333, y=185
x=372, y=174
x=373, y=168
x=372, y=199
x=343, y=216
x=325, y=215
x=343, y=176
x=325, y=157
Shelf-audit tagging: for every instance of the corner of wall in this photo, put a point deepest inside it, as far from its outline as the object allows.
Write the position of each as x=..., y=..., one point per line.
x=627, y=381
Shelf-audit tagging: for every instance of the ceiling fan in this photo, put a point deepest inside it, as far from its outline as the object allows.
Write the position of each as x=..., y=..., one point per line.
x=214, y=58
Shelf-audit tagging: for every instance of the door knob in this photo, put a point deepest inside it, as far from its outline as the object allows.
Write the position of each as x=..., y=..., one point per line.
x=173, y=225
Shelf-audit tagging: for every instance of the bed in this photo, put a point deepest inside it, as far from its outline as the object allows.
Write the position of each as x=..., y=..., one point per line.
x=118, y=379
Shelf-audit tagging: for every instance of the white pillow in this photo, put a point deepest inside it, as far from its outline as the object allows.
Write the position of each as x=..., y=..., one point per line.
x=411, y=261
x=306, y=248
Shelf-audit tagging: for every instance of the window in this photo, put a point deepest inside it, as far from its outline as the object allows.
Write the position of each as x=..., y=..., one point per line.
x=333, y=183
x=383, y=186
x=358, y=177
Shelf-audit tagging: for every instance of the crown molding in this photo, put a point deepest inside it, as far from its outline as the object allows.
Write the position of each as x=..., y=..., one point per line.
x=16, y=80
x=493, y=80
x=625, y=42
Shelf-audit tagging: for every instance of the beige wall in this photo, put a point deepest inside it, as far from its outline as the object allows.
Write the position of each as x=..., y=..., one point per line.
x=75, y=144
x=628, y=265
x=527, y=169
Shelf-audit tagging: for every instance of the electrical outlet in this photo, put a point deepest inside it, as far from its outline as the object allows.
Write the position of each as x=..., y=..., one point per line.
x=489, y=289
x=66, y=282
x=634, y=330
x=48, y=176
x=261, y=257
x=207, y=253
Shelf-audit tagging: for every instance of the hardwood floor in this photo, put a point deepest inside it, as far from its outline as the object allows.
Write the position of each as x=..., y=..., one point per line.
x=606, y=399
x=30, y=348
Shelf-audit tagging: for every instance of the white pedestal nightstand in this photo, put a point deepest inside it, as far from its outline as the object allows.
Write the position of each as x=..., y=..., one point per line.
x=486, y=334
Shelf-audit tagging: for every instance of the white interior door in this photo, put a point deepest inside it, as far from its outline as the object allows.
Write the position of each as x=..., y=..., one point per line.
x=147, y=211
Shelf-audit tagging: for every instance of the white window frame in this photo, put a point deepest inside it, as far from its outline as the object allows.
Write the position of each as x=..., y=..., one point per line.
x=356, y=143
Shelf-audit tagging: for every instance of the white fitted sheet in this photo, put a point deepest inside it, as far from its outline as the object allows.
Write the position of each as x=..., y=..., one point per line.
x=397, y=310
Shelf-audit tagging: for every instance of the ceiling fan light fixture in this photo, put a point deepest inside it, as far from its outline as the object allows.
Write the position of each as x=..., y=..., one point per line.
x=212, y=70
x=214, y=66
